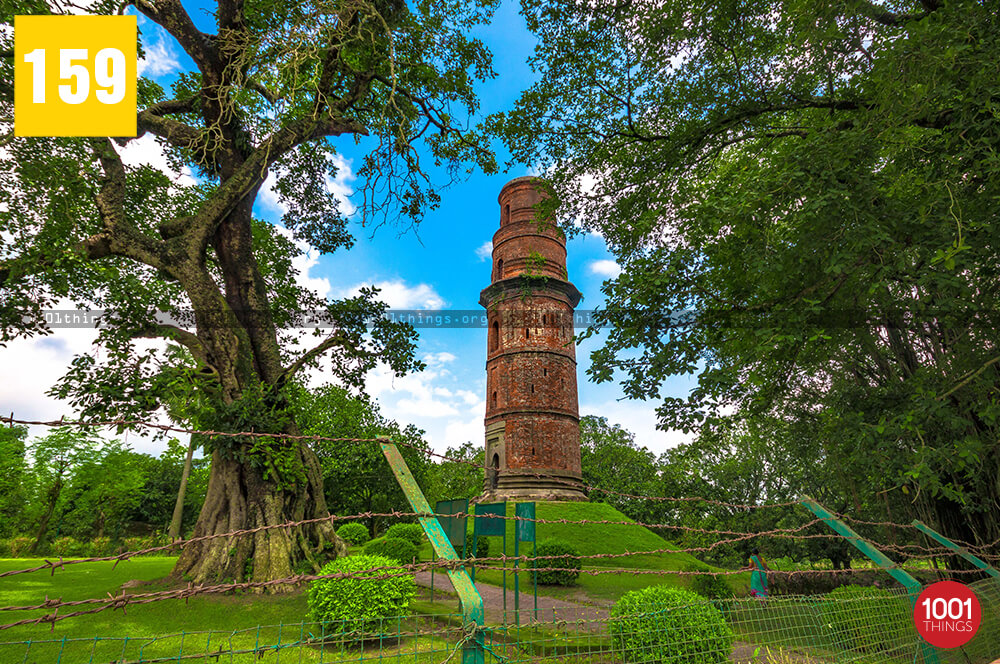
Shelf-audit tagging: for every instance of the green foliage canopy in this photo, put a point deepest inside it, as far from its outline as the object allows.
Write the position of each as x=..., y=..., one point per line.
x=802, y=196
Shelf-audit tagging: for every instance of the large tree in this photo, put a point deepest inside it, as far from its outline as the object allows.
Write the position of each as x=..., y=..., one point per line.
x=274, y=84
x=802, y=195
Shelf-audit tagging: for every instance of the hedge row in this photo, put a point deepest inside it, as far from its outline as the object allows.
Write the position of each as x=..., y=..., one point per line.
x=68, y=547
x=820, y=583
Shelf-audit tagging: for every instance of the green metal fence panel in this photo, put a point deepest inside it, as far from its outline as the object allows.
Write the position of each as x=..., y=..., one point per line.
x=912, y=586
x=525, y=513
x=491, y=519
x=454, y=526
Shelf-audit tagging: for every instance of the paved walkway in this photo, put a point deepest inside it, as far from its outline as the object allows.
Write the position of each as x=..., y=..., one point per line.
x=550, y=610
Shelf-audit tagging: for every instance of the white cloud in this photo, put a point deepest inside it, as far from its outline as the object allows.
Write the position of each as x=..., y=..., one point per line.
x=39, y=362
x=412, y=395
x=639, y=418
x=435, y=400
x=436, y=359
x=147, y=150
x=605, y=268
x=400, y=295
x=160, y=58
x=485, y=250
x=472, y=430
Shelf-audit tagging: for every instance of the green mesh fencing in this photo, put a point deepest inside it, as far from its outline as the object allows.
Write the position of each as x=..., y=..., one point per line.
x=874, y=628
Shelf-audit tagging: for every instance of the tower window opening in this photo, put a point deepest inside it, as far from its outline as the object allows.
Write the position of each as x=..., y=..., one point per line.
x=527, y=333
x=494, y=399
x=495, y=338
x=506, y=213
x=500, y=268
x=545, y=372
x=532, y=451
x=532, y=389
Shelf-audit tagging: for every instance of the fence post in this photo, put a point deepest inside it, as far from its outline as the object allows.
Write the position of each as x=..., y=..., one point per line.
x=473, y=651
x=965, y=553
x=913, y=587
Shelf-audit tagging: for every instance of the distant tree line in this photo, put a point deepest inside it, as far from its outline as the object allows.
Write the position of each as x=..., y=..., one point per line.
x=71, y=482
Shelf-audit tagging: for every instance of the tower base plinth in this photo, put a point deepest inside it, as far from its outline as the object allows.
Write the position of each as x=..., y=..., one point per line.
x=552, y=485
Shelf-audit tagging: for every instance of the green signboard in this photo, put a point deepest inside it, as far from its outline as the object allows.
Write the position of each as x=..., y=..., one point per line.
x=454, y=526
x=491, y=519
x=525, y=529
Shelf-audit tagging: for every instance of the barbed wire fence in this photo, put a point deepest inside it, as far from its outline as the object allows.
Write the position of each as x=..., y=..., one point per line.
x=781, y=630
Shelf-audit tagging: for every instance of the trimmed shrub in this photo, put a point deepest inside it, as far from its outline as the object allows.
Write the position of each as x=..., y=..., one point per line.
x=669, y=625
x=411, y=532
x=482, y=547
x=353, y=533
x=570, y=565
x=359, y=606
x=867, y=620
x=708, y=585
x=19, y=546
x=136, y=544
x=68, y=546
x=397, y=549
x=101, y=546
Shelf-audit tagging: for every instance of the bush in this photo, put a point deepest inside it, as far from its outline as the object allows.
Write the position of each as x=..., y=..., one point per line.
x=669, y=625
x=146, y=542
x=571, y=565
x=101, y=546
x=397, y=549
x=363, y=603
x=868, y=620
x=19, y=546
x=353, y=533
x=411, y=532
x=68, y=546
x=482, y=547
x=708, y=585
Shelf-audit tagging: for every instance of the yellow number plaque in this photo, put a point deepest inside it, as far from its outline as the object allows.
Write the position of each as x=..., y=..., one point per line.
x=74, y=75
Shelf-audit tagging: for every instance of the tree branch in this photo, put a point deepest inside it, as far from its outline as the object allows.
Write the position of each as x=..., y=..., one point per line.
x=125, y=238
x=882, y=15
x=253, y=171
x=174, y=132
x=313, y=353
x=172, y=17
x=187, y=339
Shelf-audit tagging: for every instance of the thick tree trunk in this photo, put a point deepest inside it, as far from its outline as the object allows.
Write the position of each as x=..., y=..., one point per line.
x=239, y=498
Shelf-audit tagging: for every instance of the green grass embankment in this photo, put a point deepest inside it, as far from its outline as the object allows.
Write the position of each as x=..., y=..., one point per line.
x=598, y=538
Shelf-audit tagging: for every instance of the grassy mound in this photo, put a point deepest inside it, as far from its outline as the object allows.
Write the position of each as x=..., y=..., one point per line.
x=596, y=538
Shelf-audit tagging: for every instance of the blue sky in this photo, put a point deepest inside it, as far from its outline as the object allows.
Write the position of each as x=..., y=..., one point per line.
x=443, y=265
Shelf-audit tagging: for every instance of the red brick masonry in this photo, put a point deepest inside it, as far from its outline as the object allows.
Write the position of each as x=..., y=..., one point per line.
x=532, y=413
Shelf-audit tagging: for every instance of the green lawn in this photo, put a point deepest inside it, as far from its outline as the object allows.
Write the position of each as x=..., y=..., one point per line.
x=206, y=625
x=170, y=628
x=591, y=538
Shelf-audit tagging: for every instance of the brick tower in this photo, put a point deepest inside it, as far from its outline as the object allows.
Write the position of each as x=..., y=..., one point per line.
x=532, y=416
